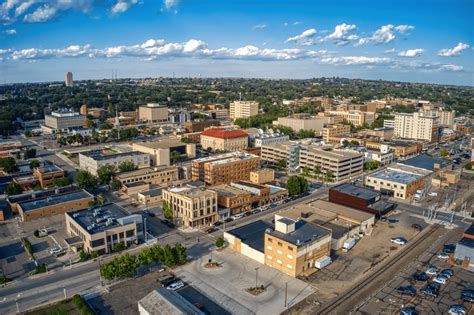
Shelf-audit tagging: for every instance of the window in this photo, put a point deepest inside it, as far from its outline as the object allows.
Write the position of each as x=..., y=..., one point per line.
x=269, y=257
x=290, y=248
x=289, y=256
x=270, y=240
x=269, y=247
x=280, y=244
x=279, y=252
x=279, y=261
x=289, y=266
x=130, y=233
x=98, y=242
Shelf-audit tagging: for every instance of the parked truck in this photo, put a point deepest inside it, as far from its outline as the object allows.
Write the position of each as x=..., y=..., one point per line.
x=348, y=244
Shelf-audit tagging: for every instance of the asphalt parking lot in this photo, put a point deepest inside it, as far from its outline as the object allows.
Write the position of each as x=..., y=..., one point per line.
x=388, y=301
x=14, y=260
x=195, y=297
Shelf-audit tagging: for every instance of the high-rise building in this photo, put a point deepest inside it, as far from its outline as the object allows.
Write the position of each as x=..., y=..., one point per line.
x=446, y=117
x=68, y=79
x=62, y=122
x=355, y=117
x=243, y=109
x=417, y=126
x=153, y=113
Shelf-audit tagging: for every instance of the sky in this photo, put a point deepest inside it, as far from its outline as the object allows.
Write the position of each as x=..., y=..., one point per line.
x=416, y=41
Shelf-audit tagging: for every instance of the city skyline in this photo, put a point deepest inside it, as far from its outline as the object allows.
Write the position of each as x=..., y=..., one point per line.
x=41, y=40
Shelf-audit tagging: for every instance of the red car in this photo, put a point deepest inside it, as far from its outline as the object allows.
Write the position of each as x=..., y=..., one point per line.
x=210, y=230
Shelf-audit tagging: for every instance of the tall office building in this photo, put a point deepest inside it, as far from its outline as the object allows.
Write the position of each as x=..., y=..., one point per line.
x=68, y=79
x=417, y=126
x=243, y=109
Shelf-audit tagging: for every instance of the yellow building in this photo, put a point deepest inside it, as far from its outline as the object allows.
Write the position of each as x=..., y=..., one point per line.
x=163, y=175
x=355, y=117
x=224, y=139
x=335, y=130
x=262, y=176
x=161, y=151
x=153, y=113
x=243, y=109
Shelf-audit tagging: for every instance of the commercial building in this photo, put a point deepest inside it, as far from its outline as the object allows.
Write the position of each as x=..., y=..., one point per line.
x=401, y=149
x=262, y=176
x=68, y=80
x=163, y=176
x=162, y=152
x=62, y=122
x=133, y=189
x=389, y=123
x=265, y=138
x=200, y=125
x=179, y=116
x=224, y=139
x=465, y=248
x=242, y=109
x=235, y=199
x=332, y=130
x=91, y=161
x=153, y=113
x=355, y=117
x=224, y=168
x=417, y=126
x=169, y=302
x=53, y=205
x=384, y=157
x=446, y=117
x=10, y=148
x=47, y=174
x=395, y=183
x=14, y=200
x=191, y=206
x=344, y=222
x=300, y=122
x=293, y=247
x=360, y=198
x=150, y=197
x=102, y=228
x=260, y=194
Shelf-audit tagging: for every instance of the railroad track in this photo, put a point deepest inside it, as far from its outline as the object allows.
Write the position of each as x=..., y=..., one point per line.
x=334, y=304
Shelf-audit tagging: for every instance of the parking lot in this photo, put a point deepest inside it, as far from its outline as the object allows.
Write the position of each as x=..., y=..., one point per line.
x=388, y=301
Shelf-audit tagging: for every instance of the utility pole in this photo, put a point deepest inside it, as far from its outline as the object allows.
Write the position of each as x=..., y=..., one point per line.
x=256, y=277
x=65, y=295
x=286, y=294
x=100, y=274
x=145, y=229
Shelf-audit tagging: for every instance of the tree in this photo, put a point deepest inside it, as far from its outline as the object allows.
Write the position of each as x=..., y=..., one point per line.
x=167, y=211
x=468, y=167
x=105, y=173
x=219, y=242
x=317, y=171
x=297, y=185
x=8, y=164
x=180, y=253
x=61, y=182
x=329, y=175
x=443, y=152
x=281, y=164
x=18, y=155
x=145, y=256
x=29, y=154
x=156, y=253
x=175, y=155
x=13, y=189
x=85, y=180
x=34, y=164
x=345, y=143
x=126, y=167
x=115, y=185
x=89, y=123
x=355, y=143
x=371, y=165
x=168, y=257
x=305, y=171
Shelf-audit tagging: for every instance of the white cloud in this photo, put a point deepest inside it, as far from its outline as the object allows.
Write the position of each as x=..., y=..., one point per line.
x=122, y=6
x=451, y=67
x=259, y=26
x=341, y=31
x=41, y=14
x=455, y=51
x=10, y=32
x=303, y=37
x=390, y=51
x=169, y=4
x=356, y=60
x=296, y=23
x=411, y=52
x=385, y=34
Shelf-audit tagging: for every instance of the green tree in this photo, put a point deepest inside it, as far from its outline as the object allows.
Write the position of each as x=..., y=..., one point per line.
x=219, y=242
x=61, y=182
x=281, y=164
x=126, y=167
x=85, y=180
x=180, y=253
x=115, y=185
x=18, y=155
x=371, y=165
x=329, y=176
x=175, y=155
x=317, y=171
x=443, y=152
x=297, y=185
x=89, y=123
x=156, y=253
x=355, y=143
x=167, y=211
x=105, y=173
x=468, y=167
x=145, y=256
x=168, y=256
x=305, y=171
x=29, y=154
x=13, y=189
x=34, y=164
x=8, y=164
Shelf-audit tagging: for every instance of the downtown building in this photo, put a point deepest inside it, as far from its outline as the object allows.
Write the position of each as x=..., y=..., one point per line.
x=417, y=126
x=91, y=161
x=153, y=113
x=243, y=109
x=224, y=139
x=63, y=122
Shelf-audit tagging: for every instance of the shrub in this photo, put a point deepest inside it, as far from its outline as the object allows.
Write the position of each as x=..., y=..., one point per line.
x=220, y=242
x=82, y=305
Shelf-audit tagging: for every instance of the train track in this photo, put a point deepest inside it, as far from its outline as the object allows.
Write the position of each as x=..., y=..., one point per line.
x=334, y=304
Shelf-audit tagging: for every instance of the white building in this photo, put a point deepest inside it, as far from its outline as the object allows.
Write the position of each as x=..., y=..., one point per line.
x=416, y=126
x=153, y=113
x=446, y=117
x=302, y=122
x=388, y=123
x=62, y=122
x=68, y=79
x=384, y=156
x=266, y=138
x=91, y=161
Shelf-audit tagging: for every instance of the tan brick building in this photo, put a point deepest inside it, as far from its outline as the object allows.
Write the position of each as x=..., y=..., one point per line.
x=262, y=176
x=243, y=109
x=161, y=151
x=224, y=168
x=193, y=207
x=47, y=174
x=163, y=175
x=224, y=139
x=335, y=130
x=153, y=113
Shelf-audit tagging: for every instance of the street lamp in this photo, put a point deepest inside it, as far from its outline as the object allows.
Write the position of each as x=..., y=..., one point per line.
x=256, y=277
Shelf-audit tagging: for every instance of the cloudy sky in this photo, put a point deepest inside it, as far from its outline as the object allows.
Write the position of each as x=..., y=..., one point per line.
x=419, y=41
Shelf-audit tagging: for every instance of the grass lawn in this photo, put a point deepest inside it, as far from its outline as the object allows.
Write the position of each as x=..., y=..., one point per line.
x=66, y=307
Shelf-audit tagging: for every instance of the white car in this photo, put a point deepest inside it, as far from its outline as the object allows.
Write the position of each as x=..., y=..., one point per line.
x=175, y=286
x=398, y=240
x=440, y=279
x=55, y=250
x=443, y=255
x=457, y=310
x=432, y=194
x=432, y=270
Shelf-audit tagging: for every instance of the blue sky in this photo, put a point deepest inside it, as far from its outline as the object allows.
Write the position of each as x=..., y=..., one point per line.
x=419, y=41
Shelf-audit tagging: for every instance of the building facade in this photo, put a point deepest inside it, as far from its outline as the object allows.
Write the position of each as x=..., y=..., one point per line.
x=300, y=122
x=335, y=130
x=163, y=176
x=161, y=151
x=395, y=183
x=47, y=174
x=224, y=139
x=191, y=206
x=91, y=161
x=262, y=176
x=153, y=113
x=416, y=126
x=68, y=80
x=63, y=121
x=355, y=117
x=242, y=109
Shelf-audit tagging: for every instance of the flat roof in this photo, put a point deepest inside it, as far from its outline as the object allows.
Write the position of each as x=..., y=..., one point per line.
x=338, y=227
x=356, y=191
x=252, y=234
x=470, y=230
x=152, y=192
x=99, y=155
x=469, y=242
x=425, y=162
x=146, y=171
x=162, y=144
x=40, y=194
x=249, y=184
x=53, y=200
x=228, y=190
x=163, y=301
x=88, y=221
x=395, y=176
x=49, y=169
x=304, y=233
x=225, y=156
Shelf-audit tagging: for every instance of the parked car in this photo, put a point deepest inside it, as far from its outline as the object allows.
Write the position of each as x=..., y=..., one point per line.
x=443, y=255
x=210, y=230
x=228, y=220
x=168, y=223
x=432, y=194
x=175, y=286
x=399, y=240
x=429, y=291
x=447, y=272
x=393, y=221
x=467, y=295
x=421, y=276
x=409, y=310
x=432, y=270
x=440, y=279
x=55, y=250
x=407, y=290
x=417, y=227
x=383, y=218
x=151, y=214
x=217, y=223
x=457, y=310
x=449, y=248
